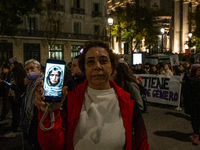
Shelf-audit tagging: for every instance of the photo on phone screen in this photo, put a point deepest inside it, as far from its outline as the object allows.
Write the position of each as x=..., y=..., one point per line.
x=53, y=81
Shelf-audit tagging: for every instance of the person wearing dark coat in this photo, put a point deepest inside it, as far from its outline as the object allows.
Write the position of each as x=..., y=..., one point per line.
x=191, y=97
x=140, y=70
x=5, y=75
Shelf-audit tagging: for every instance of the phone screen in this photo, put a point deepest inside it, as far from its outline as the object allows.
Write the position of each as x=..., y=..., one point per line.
x=53, y=81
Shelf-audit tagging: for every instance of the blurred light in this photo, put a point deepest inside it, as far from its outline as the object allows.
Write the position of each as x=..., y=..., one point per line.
x=110, y=21
x=81, y=51
x=190, y=35
x=162, y=30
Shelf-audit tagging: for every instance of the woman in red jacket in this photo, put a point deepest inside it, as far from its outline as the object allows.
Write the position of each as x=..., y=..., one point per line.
x=100, y=115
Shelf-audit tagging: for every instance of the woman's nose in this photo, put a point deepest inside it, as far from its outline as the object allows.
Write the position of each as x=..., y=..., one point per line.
x=97, y=65
x=29, y=71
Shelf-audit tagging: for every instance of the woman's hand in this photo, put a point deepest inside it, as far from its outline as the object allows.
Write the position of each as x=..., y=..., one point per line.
x=39, y=100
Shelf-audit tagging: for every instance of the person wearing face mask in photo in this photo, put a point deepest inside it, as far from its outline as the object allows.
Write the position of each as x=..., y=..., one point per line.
x=30, y=112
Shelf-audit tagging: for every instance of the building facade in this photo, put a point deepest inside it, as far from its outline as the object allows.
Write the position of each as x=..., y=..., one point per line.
x=59, y=32
x=181, y=26
x=173, y=18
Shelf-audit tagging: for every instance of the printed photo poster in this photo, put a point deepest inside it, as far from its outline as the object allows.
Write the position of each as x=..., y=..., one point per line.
x=174, y=60
x=161, y=89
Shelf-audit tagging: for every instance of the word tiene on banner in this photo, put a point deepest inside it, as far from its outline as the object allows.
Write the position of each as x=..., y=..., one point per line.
x=160, y=88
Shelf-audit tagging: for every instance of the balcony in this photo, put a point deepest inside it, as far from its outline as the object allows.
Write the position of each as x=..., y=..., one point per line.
x=96, y=14
x=60, y=35
x=55, y=7
x=80, y=11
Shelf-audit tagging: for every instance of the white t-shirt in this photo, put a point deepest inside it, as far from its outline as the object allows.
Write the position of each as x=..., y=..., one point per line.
x=100, y=125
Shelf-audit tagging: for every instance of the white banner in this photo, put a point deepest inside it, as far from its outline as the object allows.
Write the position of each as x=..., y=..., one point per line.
x=161, y=89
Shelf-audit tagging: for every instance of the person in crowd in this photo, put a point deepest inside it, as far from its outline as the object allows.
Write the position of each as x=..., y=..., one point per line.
x=166, y=71
x=69, y=65
x=187, y=68
x=16, y=89
x=30, y=112
x=197, y=58
x=100, y=114
x=169, y=65
x=160, y=67
x=0, y=84
x=140, y=70
x=134, y=68
x=5, y=88
x=153, y=70
x=181, y=72
x=147, y=68
x=77, y=76
x=124, y=78
x=191, y=97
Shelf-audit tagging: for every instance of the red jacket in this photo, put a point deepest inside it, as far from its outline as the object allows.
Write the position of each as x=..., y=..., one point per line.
x=61, y=136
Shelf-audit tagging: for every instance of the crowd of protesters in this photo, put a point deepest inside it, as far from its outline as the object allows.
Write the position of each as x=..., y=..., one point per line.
x=162, y=69
x=19, y=96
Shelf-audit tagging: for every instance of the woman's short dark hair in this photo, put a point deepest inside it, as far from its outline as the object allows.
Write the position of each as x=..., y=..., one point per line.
x=91, y=44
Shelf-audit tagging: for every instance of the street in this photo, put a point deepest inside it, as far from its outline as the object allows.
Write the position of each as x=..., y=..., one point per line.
x=167, y=129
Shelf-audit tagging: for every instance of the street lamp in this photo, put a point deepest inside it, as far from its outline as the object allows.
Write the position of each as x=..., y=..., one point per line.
x=190, y=35
x=190, y=42
x=110, y=23
x=162, y=30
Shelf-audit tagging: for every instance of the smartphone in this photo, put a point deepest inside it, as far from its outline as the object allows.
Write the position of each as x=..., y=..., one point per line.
x=7, y=82
x=53, y=80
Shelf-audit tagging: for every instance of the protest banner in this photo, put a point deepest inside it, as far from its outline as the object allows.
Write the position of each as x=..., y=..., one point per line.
x=12, y=60
x=161, y=89
x=174, y=60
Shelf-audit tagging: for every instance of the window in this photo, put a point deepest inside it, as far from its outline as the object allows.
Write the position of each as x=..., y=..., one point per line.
x=96, y=29
x=54, y=1
x=31, y=51
x=96, y=10
x=75, y=50
x=96, y=7
x=76, y=4
x=77, y=27
x=56, y=52
x=5, y=52
x=31, y=25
